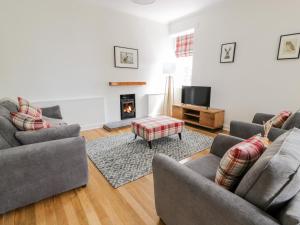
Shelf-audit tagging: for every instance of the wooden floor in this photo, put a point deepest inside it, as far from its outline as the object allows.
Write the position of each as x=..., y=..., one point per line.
x=98, y=203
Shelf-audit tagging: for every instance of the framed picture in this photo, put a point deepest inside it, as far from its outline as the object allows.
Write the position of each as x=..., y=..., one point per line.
x=126, y=57
x=289, y=46
x=227, y=52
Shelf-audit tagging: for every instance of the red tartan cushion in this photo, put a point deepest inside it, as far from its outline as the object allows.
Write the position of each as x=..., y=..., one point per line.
x=25, y=122
x=27, y=108
x=278, y=120
x=238, y=160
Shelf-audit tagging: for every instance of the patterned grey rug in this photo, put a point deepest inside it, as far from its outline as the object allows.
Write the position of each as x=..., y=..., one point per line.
x=121, y=159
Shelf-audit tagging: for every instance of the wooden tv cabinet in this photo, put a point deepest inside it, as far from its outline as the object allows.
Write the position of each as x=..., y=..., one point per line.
x=200, y=116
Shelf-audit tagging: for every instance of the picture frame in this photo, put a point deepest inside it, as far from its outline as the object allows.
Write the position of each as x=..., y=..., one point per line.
x=289, y=46
x=126, y=57
x=227, y=52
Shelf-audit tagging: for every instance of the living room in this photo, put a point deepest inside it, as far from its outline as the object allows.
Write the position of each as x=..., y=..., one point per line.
x=93, y=90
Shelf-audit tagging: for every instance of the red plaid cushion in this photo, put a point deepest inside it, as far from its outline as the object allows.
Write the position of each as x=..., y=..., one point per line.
x=278, y=120
x=238, y=160
x=25, y=122
x=27, y=108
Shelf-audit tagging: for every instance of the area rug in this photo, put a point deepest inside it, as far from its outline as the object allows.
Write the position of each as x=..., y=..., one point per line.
x=121, y=159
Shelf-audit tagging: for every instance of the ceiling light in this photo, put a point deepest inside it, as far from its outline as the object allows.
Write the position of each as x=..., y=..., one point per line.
x=143, y=2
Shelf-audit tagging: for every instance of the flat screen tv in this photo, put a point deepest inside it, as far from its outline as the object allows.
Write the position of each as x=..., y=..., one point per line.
x=196, y=95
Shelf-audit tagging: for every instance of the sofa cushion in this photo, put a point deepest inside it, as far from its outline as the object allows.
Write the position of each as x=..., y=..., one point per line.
x=27, y=108
x=25, y=122
x=278, y=120
x=55, y=122
x=3, y=143
x=4, y=112
x=9, y=105
x=206, y=166
x=237, y=160
x=292, y=121
x=290, y=214
x=7, y=132
x=274, y=178
x=43, y=135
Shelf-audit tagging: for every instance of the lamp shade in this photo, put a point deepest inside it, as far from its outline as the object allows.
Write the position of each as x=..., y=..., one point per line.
x=169, y=68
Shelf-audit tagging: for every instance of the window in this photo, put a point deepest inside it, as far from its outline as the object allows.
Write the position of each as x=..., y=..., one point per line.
x=183, y=50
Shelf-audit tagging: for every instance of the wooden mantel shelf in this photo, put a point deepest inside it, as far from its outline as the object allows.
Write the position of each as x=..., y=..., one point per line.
x=126, y=83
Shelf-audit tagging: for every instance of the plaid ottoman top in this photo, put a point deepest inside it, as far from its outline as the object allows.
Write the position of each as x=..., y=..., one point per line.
x=152, y=128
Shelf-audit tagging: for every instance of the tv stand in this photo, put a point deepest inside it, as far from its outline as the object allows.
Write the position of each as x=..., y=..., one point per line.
x=200, y=116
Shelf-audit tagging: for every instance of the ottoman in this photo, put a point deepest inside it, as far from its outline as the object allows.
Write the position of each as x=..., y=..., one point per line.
x=152, y=128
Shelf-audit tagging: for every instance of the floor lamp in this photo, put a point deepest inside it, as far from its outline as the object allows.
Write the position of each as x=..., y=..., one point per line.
x=169, y=69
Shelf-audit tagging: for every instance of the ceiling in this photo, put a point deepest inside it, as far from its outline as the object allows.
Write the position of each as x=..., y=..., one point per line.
x=163, y=11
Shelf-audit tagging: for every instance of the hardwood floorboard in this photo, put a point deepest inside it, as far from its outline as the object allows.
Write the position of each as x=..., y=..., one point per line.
x=97, y=203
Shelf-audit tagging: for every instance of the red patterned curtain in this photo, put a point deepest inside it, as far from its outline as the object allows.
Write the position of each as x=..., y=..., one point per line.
x=184, y=45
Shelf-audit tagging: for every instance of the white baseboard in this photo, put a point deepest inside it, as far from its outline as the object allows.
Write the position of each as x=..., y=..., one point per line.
x=91, y=126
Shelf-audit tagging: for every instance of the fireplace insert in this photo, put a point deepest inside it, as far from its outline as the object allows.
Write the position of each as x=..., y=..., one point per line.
x=127, y=106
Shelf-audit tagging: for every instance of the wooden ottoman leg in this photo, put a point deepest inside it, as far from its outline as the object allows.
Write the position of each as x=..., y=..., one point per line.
x=180, y=137
x=150, y=144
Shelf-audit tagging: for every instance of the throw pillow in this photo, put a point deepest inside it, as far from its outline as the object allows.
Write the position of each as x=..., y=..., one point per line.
x=54, y=133
x=278, y=120
x=27, y=108
x=237, y=160
x=25, y=122
x=275, y=177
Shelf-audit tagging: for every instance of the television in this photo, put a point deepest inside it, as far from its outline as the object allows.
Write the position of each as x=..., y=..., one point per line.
x=196, y=95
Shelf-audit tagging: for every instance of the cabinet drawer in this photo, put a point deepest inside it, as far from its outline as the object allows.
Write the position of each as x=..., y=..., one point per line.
x=207, y=119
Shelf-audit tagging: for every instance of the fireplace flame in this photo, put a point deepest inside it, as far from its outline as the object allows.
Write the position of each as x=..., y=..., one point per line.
x=128, y=109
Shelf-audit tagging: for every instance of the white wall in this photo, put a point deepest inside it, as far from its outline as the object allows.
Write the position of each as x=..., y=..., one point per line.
x=63, y=49
x=256, y=81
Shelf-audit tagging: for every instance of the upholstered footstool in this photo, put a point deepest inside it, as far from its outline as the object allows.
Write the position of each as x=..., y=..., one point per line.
x=152, y=128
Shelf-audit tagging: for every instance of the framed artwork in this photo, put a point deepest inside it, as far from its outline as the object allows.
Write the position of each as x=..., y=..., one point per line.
x=126, y=57
x=227, y=52
x=289, y=46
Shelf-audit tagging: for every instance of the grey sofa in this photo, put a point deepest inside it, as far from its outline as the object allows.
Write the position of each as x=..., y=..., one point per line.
x=246, y=130
x=187, y=195
x=35, y=171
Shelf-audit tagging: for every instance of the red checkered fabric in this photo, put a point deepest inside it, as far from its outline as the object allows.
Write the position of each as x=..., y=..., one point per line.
x=184, y=45
x=238, y=160
x=25, y=122
x=278, y=120
x=152, y=128
x=27, y=108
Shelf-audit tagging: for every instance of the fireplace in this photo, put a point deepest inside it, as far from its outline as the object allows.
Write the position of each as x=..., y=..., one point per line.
x=127, y=106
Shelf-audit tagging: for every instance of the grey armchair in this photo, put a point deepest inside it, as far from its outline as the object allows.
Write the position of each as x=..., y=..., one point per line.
x=186, y=194
x=32, y=172
x=246, y=130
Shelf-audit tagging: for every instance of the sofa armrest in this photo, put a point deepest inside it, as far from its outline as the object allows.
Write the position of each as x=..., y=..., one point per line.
x=261, y=118
x=49, y=134
x=52, y=112
x=33, y=172
x=222, y=143
x=184, y=197
x=246, y=130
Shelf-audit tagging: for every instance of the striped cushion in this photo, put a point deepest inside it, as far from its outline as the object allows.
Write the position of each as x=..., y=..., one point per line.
x=25, y=122
x=278, y=120
x=238, y=160
x=27, y=108
x=152, y=128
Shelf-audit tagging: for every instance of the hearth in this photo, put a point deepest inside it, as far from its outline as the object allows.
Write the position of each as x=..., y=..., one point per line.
x=127, y=106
